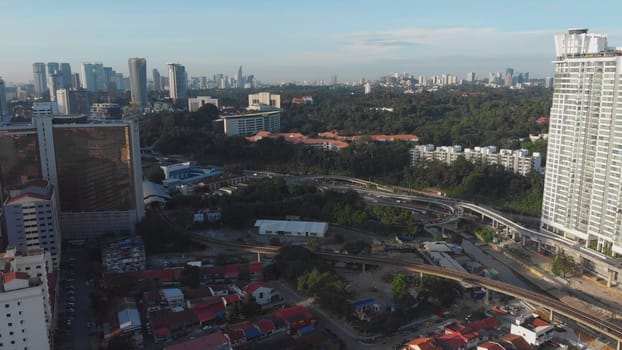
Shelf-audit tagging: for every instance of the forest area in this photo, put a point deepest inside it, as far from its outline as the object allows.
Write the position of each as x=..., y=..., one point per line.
x=475, y=117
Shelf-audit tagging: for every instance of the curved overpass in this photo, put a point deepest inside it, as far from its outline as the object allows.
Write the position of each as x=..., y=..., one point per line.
x=595, y=323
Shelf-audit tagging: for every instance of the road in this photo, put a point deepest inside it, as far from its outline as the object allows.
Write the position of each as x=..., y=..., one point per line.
x=79, y=329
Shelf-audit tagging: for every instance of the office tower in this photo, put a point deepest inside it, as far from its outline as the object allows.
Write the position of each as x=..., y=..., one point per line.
x=100, y=77
x=548, y=82
x=108, y=74
x=583, y=183
x=72, y=101
x=138, y=82
x=55, y=82
x=106, y=111
x=367, y=87
x=177, y=81
x=156, y=80
x=470, y=77
x=25, y=300
x=88, y=76
x=240, y=79
x=94, y=167
x=119, y=81
x=31, y=219
x=4, y=109
x=75, y=81
x=40, y=79
x=53, y=67
x=251, y=123
x=65, y=70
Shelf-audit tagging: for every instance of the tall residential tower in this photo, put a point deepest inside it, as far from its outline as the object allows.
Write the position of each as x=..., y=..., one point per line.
x=177, y=81
x=583, y=183
x=40, y=79
x=138, y=82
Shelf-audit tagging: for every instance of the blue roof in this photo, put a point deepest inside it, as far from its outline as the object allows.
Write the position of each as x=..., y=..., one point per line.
x=305, y=330
x=252, y=333
x=363, y=302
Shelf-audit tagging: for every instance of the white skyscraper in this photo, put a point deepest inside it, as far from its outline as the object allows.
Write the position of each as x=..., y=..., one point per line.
x=177, y=81
x=583, y=184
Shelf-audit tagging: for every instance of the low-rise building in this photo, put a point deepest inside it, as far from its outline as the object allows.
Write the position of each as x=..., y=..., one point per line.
x=194, y=103
x=292, y=228
x=248, y=124
x=293, y=318
x=534, y=329
x=214, y=341
x=124, y=319
x=517, y=161
x=124, y=255
x=264, y=293
x=174, y=297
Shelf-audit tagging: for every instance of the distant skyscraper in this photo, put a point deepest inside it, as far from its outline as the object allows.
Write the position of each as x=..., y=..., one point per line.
x=470, y=77
x=55, y=82
x=75, y=81
x=4, y=109
x=138, y=82
x=583, y=183
x=156, y=80
x=240, y=79
x=367, y=86
x=177, y=81
x=100, y=77
x=53, y=67
x=65, y=70
x=88, y=76
x=548, y=82
x=72, y=101
x=40, y=79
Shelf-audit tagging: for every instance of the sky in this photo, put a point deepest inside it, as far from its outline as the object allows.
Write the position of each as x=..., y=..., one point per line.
x=280, y=40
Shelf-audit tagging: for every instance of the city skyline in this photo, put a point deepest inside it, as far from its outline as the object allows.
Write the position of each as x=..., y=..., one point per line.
x=304, y=42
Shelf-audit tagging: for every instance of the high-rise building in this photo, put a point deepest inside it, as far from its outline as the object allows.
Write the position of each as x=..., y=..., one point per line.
x=31, y=220
x=65, y=71
x=138, y=82
x=583, y=183
x=75, y=81
x=88, y=76
x=177, y=81
x=25, y=297
x=94, y=167
x=194, y=103
x=53, y=67
x=72, y=101
x=470, y=77
x=55, y=82
x=40, y=79
x=4, y=108
x=156, y=80
x=240, y=79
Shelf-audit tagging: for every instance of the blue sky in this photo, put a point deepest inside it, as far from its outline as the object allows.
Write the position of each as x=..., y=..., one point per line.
x=280, y=40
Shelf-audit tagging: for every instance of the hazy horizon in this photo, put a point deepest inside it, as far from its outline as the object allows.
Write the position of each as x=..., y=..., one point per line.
x=282, y=41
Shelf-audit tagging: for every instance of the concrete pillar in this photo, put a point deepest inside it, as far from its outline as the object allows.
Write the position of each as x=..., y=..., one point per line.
x=363, y=267
x=610, y=274
x=539, y=247
x=487, y=297
x=523, y=240
x=258, y=256
x=618, y=345
x=443, y=229
x=551, y=315
x=482, y=217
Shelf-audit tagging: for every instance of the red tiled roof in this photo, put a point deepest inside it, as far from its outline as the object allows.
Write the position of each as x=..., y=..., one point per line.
x=231, y=271
x=291, y=312
x=452, y=340
x=10, y=276
x=236, y=335
x=423, y=344
x=543, y=119
x=204, y=314
x=491, y=346
x=27, y=195
x=265, y=325
x=161, y=332
x=538, y=322
x=256, y=267
x=486, y=324
x=231, y=298
x=253, y=286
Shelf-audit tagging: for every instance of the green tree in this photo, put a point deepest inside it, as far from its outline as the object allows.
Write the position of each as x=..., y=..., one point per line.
x=563, y=264
x=313, y=243
x=400, y=286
